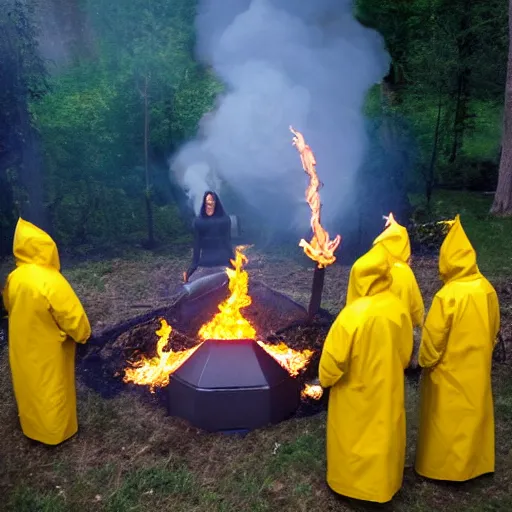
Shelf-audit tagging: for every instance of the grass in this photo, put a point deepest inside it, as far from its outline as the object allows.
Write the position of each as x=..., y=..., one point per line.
x=142, y=461
x=129, y=456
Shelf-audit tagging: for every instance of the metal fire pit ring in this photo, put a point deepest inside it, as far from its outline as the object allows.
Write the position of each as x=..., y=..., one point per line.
x=232, y=385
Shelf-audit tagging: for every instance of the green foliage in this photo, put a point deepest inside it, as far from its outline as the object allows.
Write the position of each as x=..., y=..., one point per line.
x=444, y=92
x=426, y=236
x=22, y=79
x=92, y=124
x=449, y=57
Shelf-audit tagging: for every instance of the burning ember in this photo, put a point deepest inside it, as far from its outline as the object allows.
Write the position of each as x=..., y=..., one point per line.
x=291, y=360
x=313, y=391
x=155, y=372
x=228, y=323
x=321, y=249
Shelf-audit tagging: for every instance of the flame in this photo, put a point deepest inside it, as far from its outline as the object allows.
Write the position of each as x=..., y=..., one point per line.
x=229, y=323
x=314, y=391
x=155, y=372
x=291, y=360
x=321, y=249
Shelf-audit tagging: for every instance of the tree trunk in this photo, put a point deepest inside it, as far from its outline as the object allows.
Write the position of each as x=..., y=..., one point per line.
x=464, y=46
x=459, y=123
x=29, y=162
x=393, y=141
x=430, y=178
x=149, y=204
x=31, y=174
x=503, y=198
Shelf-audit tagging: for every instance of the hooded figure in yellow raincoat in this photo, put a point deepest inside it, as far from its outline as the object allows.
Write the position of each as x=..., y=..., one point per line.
x=45, y=316
x=456, y=434
x=363, y=361
x=395, y=240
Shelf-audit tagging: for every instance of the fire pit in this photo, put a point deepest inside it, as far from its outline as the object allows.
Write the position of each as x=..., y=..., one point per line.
x=231, y=370
x=211, y=365
x=232, y=385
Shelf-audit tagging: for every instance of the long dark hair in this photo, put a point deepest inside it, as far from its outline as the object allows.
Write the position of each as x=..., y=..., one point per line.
x=219, y=209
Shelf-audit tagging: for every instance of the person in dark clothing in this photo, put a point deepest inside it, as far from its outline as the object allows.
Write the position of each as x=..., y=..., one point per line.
x=212, y=236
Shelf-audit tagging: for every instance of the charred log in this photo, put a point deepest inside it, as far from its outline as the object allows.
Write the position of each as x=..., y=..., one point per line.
x=316, y=292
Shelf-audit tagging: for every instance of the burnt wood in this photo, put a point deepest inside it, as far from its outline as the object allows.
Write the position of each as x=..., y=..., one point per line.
x=316, y=292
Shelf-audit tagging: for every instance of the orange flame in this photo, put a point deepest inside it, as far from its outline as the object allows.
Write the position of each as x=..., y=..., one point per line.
x=291, y=360
x=321, y=249
x=155, y=372
x=314, y=391
x=229, y=323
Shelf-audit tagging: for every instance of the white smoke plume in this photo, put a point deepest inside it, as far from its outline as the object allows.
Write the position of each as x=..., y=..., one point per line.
x=305, y=63
x=195, y=173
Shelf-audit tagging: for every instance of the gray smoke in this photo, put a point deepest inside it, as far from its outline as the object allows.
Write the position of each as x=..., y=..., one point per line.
x=305, y=63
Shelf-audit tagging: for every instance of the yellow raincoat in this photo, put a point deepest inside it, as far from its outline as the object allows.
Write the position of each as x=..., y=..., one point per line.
x=456, y=434
x=44, y=313
x=363, y=360
x=396, y=241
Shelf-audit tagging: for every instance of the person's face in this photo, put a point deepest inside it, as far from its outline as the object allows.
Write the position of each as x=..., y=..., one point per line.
x=210, y=205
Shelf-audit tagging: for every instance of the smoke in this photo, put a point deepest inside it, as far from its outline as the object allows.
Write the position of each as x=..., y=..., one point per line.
x=305, y=63
x=197, y=175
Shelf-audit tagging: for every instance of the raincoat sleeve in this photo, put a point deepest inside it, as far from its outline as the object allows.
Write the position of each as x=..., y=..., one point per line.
x=67, y=310
x=435, y=332
x=335, y=354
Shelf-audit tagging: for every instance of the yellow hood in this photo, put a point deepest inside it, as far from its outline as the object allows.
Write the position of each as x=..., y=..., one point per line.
x=33, y=245
x=457, y=258
x=370, y=274
x=396, y=241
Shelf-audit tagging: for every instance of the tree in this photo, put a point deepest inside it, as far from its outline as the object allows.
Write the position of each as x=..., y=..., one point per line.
x=502, y=204
x=149, y=203
x=22, y=81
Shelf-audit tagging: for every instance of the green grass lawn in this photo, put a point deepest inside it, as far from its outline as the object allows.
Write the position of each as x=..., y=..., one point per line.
x=129, y=456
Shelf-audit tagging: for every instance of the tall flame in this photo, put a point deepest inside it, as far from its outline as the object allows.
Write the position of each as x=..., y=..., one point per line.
x=229, y=323
x=321, y=249
x=155, y=372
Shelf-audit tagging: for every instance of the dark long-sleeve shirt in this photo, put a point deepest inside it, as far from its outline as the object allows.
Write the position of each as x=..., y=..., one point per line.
x=212, y=242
